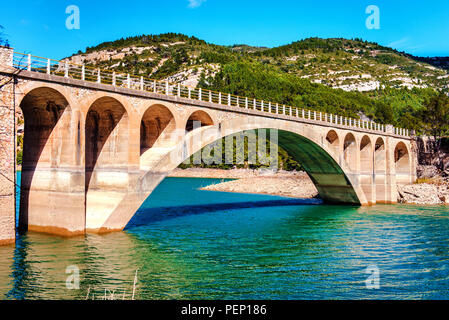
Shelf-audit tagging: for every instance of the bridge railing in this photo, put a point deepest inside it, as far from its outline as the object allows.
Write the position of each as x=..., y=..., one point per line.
x=65, y=68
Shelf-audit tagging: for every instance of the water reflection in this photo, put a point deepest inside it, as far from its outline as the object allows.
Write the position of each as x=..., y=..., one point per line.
x=37, y=268
x=6, y=262
x=232, y=246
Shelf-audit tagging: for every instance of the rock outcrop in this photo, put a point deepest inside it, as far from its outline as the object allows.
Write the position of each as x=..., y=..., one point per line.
x=424, y=193
x=426, y=171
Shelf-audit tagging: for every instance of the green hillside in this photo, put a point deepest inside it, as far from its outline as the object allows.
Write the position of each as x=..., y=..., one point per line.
x=352, y=78
x=310, y=73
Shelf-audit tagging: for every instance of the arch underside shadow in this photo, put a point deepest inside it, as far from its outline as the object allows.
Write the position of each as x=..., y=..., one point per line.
x=331, y=182
x=333, y=185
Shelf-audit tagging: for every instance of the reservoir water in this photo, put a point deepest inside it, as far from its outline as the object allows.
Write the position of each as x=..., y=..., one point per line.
x=190, y=244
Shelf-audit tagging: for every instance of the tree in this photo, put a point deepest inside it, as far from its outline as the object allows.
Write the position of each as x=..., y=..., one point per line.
x=410, y=118
x=436, y=121
x=384, y=113
x=3, y=40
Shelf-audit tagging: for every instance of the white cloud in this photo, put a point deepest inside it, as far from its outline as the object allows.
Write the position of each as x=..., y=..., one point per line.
x=404, y=42
x=195, y=3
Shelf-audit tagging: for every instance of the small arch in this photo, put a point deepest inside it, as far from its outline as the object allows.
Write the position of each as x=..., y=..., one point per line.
x=366, y=168
x=101, y=96
x=47, y=116
x=333, y=141
x=380, y=156
x=156, y=126
x=350, y=151
x=401, y=158
x=366, y=155
x=198, y=119
x=380, y=170
x=106, y=136
x=402, y=163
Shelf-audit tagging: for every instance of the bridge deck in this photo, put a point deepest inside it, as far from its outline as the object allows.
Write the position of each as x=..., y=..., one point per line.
x=79, y=75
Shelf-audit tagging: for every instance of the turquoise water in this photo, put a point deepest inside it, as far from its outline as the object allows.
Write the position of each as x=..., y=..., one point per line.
x=191, y=244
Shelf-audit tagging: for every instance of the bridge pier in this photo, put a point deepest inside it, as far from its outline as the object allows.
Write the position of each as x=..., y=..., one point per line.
x=7, y=171
x=7, y=152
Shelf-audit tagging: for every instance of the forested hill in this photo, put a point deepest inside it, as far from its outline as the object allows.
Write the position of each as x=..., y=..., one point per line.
x=349, y=77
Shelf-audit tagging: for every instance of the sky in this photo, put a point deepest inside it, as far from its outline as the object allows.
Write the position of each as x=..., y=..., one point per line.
x=40, y=27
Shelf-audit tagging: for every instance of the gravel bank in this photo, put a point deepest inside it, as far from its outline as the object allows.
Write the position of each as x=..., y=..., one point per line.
x=296, y=185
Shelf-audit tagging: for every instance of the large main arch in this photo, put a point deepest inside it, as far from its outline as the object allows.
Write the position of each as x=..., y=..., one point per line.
x=331, y=175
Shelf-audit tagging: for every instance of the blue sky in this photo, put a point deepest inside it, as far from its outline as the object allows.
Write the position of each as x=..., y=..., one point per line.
x=39, y=27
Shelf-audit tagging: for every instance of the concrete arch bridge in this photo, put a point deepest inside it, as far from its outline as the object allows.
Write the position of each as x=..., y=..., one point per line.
x=97, y=143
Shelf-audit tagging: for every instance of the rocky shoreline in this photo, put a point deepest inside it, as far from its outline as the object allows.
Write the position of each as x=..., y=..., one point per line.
x=424, y=193
x=298, y=185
